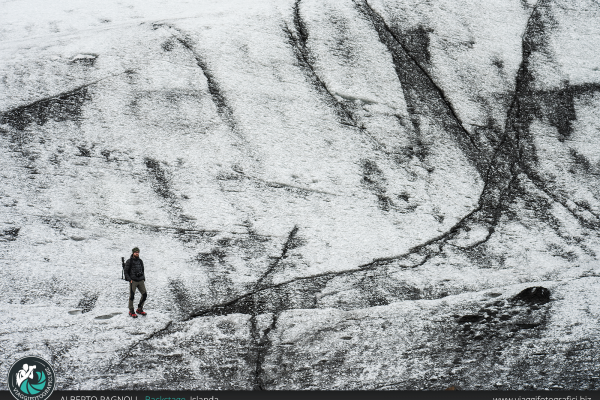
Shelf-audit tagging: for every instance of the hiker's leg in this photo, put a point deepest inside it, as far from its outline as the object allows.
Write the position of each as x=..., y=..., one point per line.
x=132, y=286
x=142, y=289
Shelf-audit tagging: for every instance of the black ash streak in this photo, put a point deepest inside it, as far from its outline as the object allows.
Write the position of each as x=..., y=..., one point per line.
x=502, y=175
x=161, y=184
x=420, y=89
x=298, y=40
x=9, y=235
x=262, y=345
x=424, y=95
x=160, y=180
x=421, y=92
x=527, y=104
x=224, y=109
x=277, y=185
x=64, y=106
x=61, y=107
x=176, y=230
x=288, y=245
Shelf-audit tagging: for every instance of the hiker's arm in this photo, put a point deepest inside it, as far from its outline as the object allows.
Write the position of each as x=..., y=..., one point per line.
x=128, y=270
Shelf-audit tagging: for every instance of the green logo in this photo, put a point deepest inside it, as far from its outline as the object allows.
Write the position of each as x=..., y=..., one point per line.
x=31, y=377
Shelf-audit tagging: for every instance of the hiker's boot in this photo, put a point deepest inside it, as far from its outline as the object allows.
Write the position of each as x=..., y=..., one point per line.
x=132, y=314
x=140, y=311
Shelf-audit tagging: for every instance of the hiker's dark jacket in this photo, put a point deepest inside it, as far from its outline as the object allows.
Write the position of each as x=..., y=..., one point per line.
x=134, y=269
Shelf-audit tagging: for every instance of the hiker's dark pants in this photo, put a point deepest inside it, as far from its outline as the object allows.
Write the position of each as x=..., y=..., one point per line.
x=142, y=288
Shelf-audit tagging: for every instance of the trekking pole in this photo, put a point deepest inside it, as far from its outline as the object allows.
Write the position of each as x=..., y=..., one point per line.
x=123, y=268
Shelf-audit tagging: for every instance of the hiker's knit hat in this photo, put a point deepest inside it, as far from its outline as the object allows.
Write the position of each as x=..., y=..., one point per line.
x=135, y=250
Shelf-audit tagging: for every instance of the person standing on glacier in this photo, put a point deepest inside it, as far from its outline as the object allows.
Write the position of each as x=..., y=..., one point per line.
x=134, y=273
